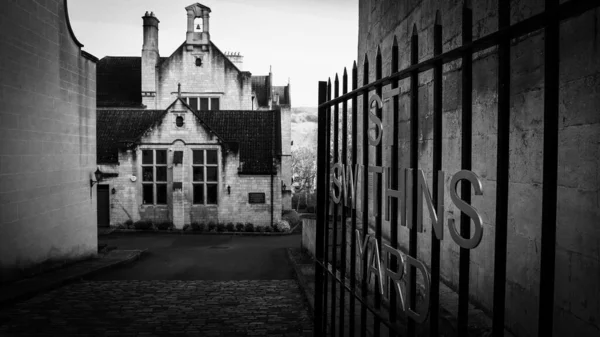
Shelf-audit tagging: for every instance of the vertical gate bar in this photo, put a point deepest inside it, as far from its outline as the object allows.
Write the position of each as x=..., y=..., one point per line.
x=334, y=243
x=319, y=272
x=378, y=188
x=354, y=202
x=414, y=164
x=365, y=196
x=327, y=206
x=344, y=203
x=394, y=184
x=503, y=158
x=437, y=166
x=466, y=143
x=551, y=73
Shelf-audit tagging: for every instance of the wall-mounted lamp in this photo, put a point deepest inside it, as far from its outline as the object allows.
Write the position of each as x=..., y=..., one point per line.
x=228, y=189
x=113, y=191
x=98, y=175
x=284, y=187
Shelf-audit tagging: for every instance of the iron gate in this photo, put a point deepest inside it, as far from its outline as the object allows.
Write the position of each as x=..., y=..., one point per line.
x=334, y=191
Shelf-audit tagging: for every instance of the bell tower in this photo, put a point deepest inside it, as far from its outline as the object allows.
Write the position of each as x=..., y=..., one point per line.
x=198, y=32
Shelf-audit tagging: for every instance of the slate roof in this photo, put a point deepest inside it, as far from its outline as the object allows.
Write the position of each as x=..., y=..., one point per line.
x=119, y=82
x=283, y=92
x=119, y=128
x=255, y=134
x=260, y=86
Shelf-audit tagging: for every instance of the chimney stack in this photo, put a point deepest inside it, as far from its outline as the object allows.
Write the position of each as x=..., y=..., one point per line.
x=150, y=57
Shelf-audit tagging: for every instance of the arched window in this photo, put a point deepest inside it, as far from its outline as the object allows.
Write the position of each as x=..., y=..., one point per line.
x=198, y=25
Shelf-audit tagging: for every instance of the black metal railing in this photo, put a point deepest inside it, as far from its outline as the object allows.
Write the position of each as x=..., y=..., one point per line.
x=334, y=313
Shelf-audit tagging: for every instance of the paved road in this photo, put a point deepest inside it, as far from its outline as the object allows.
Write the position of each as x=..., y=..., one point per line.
x=179, y=288
x=204, y=257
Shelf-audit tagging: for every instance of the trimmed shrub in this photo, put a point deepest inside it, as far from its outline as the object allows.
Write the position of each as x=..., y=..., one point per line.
x=198, y=226
x=230, y=227
x=212, y=226
x=143, y=225
x=249, y=227
x=220, y=227
x=128, y=224
x=121, y=226
x=283, y=226
x=268, y=229
x=259, y=229
x=165, y=226
x=291, y=217
x=187, y=227
x=239, y=226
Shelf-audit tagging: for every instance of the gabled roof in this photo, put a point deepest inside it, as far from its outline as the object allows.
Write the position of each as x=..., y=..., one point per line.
x=120, y=129
x=255, y=135
x=261, y=88
x=197, y=5
x=284, y=94
x=119, y=82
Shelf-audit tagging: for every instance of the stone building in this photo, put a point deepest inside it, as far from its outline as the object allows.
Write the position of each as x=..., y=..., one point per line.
x=191, y=137
x=47, y=140
x=576, y=286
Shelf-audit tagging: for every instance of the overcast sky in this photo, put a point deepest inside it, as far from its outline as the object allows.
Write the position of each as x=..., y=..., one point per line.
x=304, y=40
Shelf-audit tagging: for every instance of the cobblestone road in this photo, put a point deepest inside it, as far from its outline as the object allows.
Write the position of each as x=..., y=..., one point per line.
x=140, y=308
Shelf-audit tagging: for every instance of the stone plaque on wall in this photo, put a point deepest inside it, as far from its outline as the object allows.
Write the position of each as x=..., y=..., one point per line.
x=256, y=198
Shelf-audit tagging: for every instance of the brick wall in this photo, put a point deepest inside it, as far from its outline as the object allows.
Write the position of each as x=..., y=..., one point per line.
x=126, y=203
x=47, y=140
x=577, y=292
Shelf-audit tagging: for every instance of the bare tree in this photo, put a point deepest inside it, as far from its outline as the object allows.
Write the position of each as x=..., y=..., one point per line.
x=304, y=171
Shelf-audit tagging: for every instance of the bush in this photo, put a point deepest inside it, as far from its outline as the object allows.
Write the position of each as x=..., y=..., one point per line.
x=230, y=227
x=212, y=226
x=249, y=227
x=282, y=226
x=186, y=227
x=198, y=226
x=239, y=226
x=165, y=226
x=220, y=227
x=121, y=226
x=143, y=225
x=129, y=224
x=268, y=229
x=259, y=229
x=310, y=209
x=291, y=217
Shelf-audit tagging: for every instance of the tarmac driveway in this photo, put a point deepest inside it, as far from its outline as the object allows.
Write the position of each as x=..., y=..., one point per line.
x=203, y=257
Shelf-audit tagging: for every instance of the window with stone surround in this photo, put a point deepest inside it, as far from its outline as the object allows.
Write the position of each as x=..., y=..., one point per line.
x=205, y=171
x=204, y=103
x=154, y=177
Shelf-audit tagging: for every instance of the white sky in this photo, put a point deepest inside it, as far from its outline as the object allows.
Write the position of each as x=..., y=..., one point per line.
x=304, y=40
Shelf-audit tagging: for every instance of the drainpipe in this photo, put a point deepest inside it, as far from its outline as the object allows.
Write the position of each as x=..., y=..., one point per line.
x=272, y=167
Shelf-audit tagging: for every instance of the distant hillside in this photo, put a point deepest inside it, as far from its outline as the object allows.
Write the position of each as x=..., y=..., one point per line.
x=304, y=127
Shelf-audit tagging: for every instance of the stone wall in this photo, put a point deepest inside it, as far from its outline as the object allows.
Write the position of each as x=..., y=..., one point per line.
x=47, y=140
x=577, y=292
x=217, y=77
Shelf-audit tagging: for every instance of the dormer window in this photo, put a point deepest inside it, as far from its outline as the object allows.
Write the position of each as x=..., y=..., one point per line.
x=198, y=25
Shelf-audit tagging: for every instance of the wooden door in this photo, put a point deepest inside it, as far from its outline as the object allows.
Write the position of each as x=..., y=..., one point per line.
x=103, y=206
